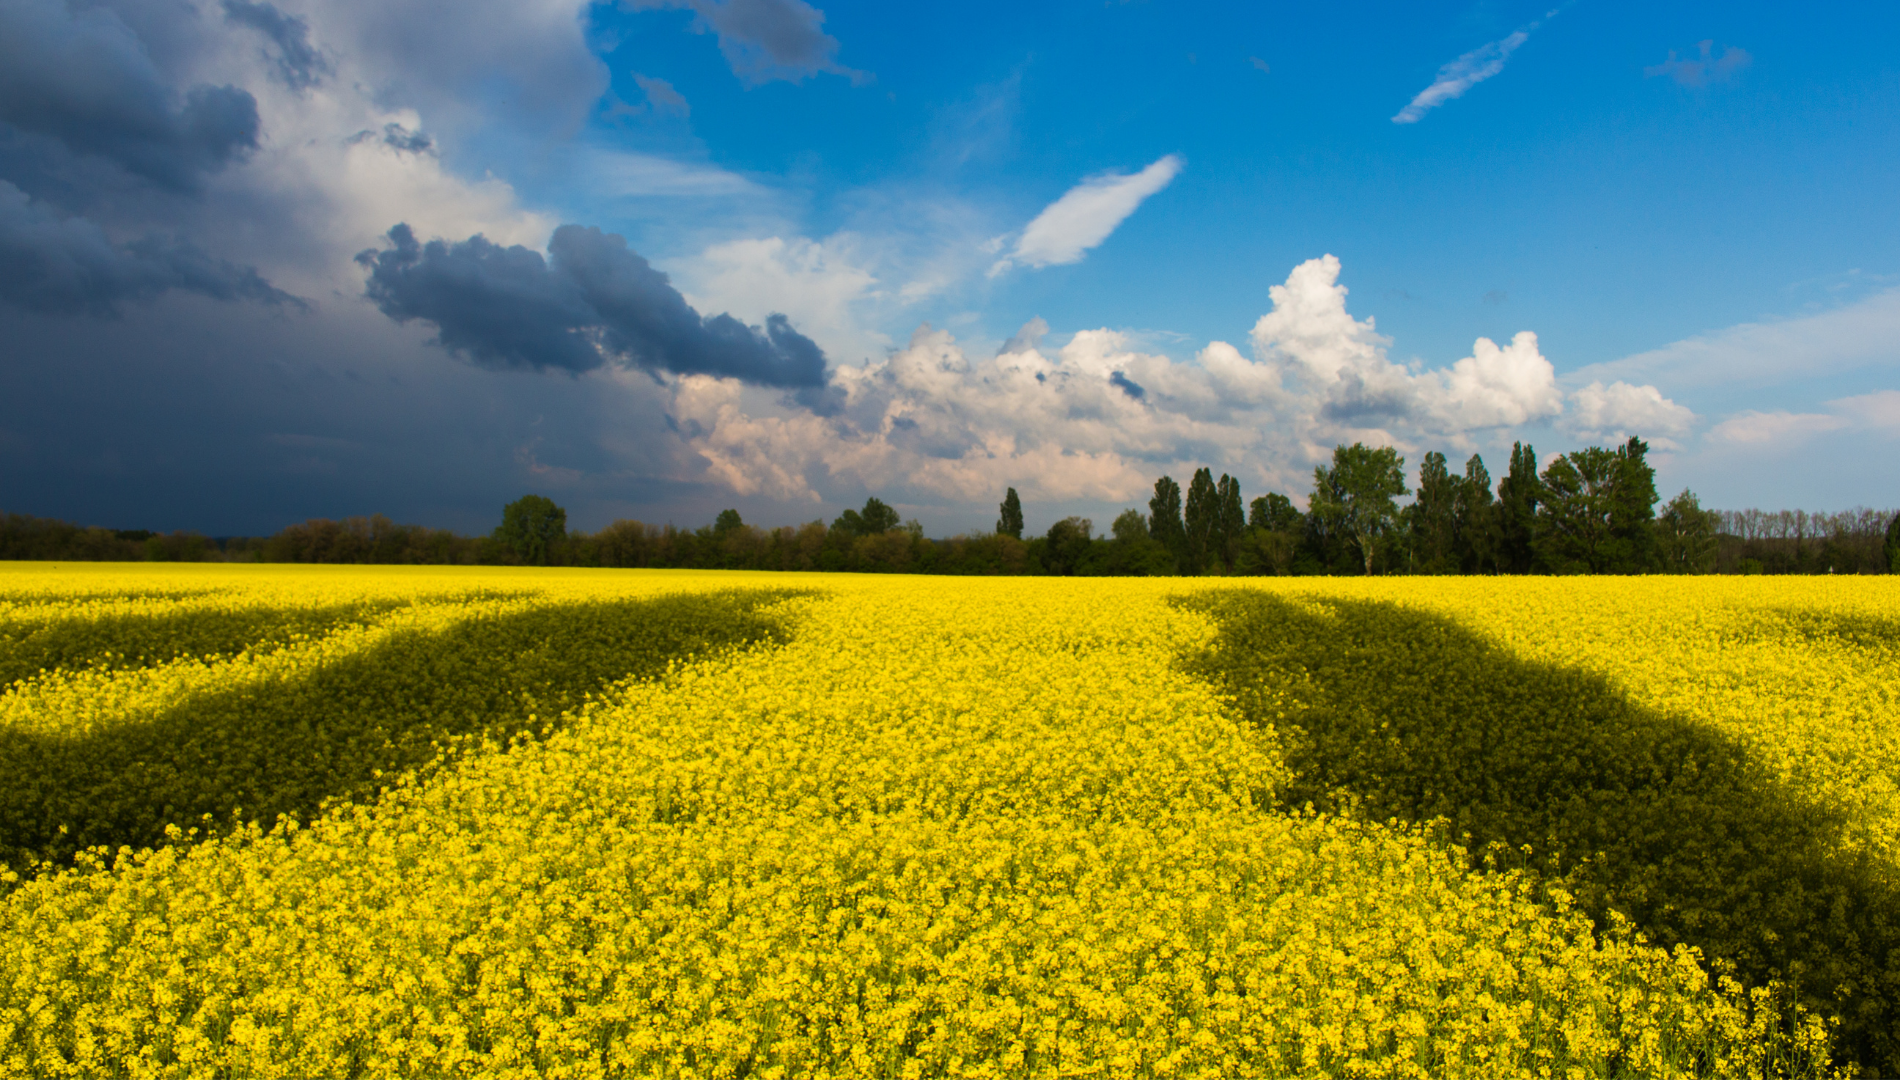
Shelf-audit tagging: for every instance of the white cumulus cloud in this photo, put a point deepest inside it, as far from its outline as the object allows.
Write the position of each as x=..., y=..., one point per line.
x=1085, y=216
x=1615, y=412
x=1098, y=418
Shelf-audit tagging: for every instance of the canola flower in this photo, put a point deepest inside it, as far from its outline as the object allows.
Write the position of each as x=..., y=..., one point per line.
x=940, y=828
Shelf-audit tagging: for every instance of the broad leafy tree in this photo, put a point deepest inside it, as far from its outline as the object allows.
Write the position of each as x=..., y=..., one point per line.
x=1010, y=523
x=1275, y=513
x=1354, y=496
x=1599, y=511
x=727, y=523
x=1893, y=546
x=533, y=528
x=1164, y=518
x=1686, y=536
x=875, y=519
x=1066, y=545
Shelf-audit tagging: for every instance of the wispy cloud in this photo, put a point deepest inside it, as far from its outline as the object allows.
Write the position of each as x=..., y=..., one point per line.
x=1704, y=69
x=1085, y=216
x=662, y=96
x=1466, y=72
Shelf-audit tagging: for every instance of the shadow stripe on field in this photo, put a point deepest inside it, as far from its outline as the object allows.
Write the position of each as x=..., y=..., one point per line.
x=1390, y=712
x=342, y=728
x=117, y=640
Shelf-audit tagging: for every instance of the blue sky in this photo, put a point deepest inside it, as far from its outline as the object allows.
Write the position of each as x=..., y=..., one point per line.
x=1064, y=247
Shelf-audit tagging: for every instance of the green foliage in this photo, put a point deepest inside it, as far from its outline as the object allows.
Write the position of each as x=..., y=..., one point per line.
x=1520, y=494
x=1275, y=512
x=1686, y=536
x=1598, y=511
x=1391, y=712
x=532, y=527
x=284, y=746
x=1010, y=522
x=726, y=524
x=1432, y=518
x=1475, y=520
x=1066, y=546
x=1354, y=496
x=1893, y=546
x=1164, y=520
x=1200, y=520
x=1230, y=520
x=874, y=520
x=1129, y=527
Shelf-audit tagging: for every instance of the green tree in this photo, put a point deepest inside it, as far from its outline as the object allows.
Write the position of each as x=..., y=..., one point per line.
x=1633, y=509
x=1164, y=519
x=1230, y=519
x=1432, y=518
x=1686, y=535
x=1275, y=513
x=727, y=523
x=1520, y=494
x=1354, y=496
x=875, y=519
x=1893, y=546
x=1200, y=518
x=1574, y=520
x=1474, y=520
x=533, y=528
x=1066, y=545
x=1129, y=527
x=1011, y=521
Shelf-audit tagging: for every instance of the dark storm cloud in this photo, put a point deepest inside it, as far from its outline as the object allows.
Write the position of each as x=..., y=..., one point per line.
x=593, y=299
x=298, y=63
x=766, y=39
x=54, y=264
x=84, y=79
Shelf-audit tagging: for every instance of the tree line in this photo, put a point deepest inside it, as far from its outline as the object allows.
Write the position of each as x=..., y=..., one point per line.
x=1591, y=511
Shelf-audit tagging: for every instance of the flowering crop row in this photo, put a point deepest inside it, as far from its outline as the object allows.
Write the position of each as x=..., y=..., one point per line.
x=984, y=828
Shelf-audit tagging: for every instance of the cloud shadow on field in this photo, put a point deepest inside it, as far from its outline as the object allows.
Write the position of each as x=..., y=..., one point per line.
x=143, y=639
x=1388, y=712
x=342, y=728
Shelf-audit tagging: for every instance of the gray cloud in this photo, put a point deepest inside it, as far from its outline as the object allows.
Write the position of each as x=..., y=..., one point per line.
x=298, y=63
x=1705, y=68
x=85, y=79
x=592, y=299
x=662, y=96
x=765, y=40
x=1126, y=385
x=64, y=265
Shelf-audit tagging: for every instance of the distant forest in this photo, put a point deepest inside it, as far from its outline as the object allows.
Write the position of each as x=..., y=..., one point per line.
x=1592, y=511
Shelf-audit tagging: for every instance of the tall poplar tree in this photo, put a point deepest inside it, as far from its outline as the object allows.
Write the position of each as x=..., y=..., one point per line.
x=1230, y=520
x=1202, y=516
x=1011, y=521
x=1432, y=516
x=1893, y=546
x=1164, y=519
x=1633, y=509
x=1474, y=520
x=1519, y=495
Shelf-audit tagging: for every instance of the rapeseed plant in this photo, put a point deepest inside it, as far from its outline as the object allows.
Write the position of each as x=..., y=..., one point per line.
x=932, y=828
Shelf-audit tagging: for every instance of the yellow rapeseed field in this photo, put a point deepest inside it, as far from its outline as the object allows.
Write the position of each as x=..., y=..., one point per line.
x=324, y=822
